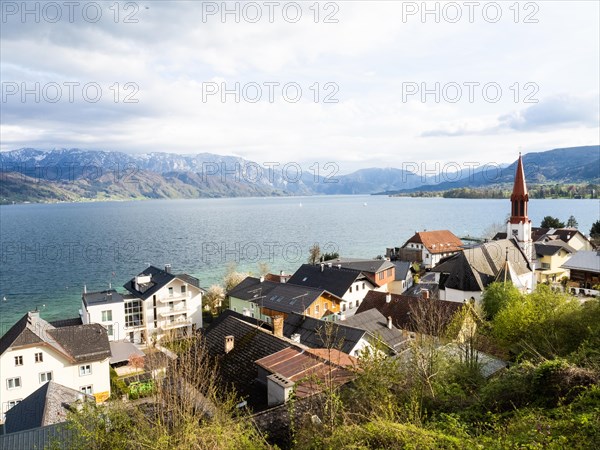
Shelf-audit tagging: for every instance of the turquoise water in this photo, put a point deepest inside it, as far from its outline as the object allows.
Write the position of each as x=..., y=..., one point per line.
x=49, y=251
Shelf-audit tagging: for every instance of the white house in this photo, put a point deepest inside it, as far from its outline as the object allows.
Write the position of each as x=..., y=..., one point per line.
x=429, y=247
x=33, y=352
x=157, y=302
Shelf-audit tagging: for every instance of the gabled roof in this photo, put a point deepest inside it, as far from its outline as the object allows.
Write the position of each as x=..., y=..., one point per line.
x=564, y=234
x=400, y=308
x=552, y=247
x=474, y=268
x=363, y=265
x=437, y=241
x=48, y=405
x=332, y=279
x=80, y=343
x=588, y=261
x=376, y=324
x=251, y=342
x=158, y=279
x=310, y=371
x=402, y=269
x=315, y=333
x=287, y=298
x=252, y=288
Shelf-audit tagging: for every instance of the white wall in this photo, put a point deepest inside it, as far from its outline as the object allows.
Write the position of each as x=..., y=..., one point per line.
x=63, y=372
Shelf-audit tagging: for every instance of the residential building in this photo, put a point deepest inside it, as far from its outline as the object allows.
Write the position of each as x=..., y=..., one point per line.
x=348, y=284
x=157, y=302
x=550, y=257
x=344, y=336
x=259, y=298
x=572, y=236
x=403, y=311
x=403, y=279
x=379, y=272
x=428, y=247
x=34, y=352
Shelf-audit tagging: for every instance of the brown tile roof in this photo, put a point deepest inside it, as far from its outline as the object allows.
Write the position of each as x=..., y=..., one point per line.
x=309, y=368
x=438, y=241
x=401, y=307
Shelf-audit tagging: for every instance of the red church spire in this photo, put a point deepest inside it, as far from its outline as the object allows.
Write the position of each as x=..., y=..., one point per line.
x=519, y=197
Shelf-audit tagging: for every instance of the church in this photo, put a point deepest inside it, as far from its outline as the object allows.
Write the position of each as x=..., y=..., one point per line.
x=465, y=275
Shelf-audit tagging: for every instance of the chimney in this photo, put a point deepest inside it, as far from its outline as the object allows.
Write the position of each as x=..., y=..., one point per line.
x=229, y=340
x=84, y=289
x=329, y=265
x=322, y=267
x=339, y=266
x=261, y=279
x=278, y=326
x=295, y=337
x=389, y=322
x=405, y=334
x=281, y=273
x=388, y=297
x=425, y=294
x=168, y=268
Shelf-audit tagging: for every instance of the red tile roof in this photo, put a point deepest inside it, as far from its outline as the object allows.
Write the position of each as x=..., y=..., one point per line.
x=438, y=241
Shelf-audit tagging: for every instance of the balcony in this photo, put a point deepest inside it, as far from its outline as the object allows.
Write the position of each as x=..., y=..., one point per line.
x=177, y=324
x=179, y=309
x=176, y=297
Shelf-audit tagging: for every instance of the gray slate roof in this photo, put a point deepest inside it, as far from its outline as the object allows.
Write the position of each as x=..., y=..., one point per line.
x=48, y=405
x=251, y=288
x=402, y=269
x=81, y=343
x=376, y=323
x=363, y=265
x=51, y=436
x=315, y=333
x=552, y=247
x=159, y=279
x=332, y=279
x=102, y=298
x=588, y=261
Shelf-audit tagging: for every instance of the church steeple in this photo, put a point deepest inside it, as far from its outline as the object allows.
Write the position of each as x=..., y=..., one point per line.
x=519, y=198
x=519, y=225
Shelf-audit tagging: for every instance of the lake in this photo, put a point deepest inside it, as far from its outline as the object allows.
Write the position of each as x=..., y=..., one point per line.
x=50, y=251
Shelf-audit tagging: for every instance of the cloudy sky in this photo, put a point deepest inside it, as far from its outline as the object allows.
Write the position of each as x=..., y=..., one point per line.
x=360, y=83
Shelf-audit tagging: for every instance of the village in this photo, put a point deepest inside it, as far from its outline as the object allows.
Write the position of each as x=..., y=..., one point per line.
x=279, y=337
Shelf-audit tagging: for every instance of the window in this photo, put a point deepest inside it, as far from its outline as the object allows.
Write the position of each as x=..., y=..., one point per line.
x=19, y=360
x=13, y=383
x=84, y=370
x=9, y=404
x=545, y=265
x=350, y=288
x=133, y=314
x=39, y=357
x=86, y=389
x=45, y=377
x=107, y=316
x=316, y=309
x=364, y=285
x=326, y=306
x=109, y=330
x=183, y=289
x=170, y=292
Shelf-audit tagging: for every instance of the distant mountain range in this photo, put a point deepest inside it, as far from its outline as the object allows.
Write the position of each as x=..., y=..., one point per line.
x=74, y=175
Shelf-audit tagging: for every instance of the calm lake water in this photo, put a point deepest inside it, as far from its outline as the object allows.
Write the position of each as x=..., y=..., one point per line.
x=49, y=251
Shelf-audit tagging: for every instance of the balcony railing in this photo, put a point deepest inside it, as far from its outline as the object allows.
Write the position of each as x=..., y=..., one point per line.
x=176, y=297
x=177, y=324
x=179, y=309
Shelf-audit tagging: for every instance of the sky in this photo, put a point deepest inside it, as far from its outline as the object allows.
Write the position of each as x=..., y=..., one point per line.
x=361, y=84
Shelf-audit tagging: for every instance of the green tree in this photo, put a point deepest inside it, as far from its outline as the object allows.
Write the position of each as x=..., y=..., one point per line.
x=595, y=230
x=329, y=256
x=496, y=296
x=551, y=222
x=572, y=222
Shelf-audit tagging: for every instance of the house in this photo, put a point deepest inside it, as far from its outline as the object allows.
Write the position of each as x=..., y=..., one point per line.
x=429, y=247
x=303, y=372
x=48, y=405
x=466, y=274
x=348, y=284
x=551, y=255
x=584, y=267
x=380, y=327
x=257, y=297
x=33, y=352
x=156, y=302
x=236, y=341
x=403, y=279
x=379, y=272
x=403, y=311
x=344, y=336
x=572, y=236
